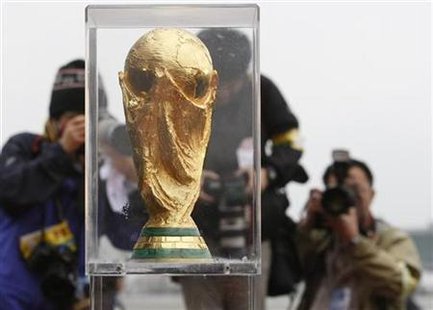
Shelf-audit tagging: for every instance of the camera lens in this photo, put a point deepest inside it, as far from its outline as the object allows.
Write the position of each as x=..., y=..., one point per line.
x=55, y=265
x=338, y=200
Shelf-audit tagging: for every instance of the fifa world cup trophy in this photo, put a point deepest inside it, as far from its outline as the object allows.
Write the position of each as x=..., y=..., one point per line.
x=169, y=87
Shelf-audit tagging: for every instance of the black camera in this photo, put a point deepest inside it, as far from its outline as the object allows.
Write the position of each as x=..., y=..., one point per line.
x=337, y=200
x=232, y=189
x=232, y=200
x=56, y=267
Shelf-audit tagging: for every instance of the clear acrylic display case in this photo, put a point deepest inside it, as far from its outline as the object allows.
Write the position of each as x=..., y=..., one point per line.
x=229, y=221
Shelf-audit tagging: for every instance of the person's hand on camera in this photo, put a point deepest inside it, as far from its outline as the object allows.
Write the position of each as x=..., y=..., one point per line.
x=211, y=175
x=247, y=174
x=73, y=134
x=345, y=226
x=249, y=177
x=313, y=208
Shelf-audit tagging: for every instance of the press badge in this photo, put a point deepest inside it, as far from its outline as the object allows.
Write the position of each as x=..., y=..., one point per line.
x=55, y=235
x=340, y=299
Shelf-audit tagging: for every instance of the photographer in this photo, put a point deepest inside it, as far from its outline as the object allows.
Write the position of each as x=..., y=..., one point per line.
x=42, y=205
x=222, y=211
x=351, y=259
x=122, y=211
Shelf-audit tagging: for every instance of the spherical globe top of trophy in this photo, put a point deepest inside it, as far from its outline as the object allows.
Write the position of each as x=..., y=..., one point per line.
x=169, y=86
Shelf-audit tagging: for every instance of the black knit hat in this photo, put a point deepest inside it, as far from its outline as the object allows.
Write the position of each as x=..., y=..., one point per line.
x=230, y=51
x=68, y=89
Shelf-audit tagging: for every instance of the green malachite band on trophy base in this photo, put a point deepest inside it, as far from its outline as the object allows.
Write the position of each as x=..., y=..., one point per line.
x=171, y=253
x=167, y=231
x=167, y=250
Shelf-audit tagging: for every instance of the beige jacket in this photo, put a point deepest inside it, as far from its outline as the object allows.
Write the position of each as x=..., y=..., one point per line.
x=381, y=270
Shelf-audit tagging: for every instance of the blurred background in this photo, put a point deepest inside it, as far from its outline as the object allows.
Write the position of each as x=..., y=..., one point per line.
x=357, y=75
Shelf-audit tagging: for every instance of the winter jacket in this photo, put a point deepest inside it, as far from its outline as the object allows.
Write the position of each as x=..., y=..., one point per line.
x=381, y=270
x=39, y=186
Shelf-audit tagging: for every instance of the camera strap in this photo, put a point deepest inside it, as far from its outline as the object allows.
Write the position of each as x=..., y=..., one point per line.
x=57, y=234
x=59, y=210
x=59, y=219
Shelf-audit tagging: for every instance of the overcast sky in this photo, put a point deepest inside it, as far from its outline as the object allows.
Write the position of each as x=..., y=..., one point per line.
x=356, y=75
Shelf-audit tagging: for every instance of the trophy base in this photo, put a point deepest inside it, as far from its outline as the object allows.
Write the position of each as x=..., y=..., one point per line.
x=170, y=243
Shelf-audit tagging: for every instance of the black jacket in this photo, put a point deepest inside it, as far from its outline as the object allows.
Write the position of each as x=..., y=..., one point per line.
x=231, y=123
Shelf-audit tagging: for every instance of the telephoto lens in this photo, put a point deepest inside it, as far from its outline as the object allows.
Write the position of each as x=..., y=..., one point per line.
x=338, y=200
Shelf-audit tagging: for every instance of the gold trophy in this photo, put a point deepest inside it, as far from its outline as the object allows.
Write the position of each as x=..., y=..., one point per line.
x=168, y=88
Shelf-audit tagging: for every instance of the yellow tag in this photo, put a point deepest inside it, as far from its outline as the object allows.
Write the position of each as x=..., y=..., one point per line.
x=290, y=137
x=55, y=235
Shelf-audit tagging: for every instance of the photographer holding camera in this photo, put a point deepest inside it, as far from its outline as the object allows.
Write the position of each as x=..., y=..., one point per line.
x=42, y=205
x=122, y=211
x=222, y=212
x=351, y=259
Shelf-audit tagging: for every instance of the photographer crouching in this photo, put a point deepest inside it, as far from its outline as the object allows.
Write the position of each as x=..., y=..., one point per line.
x=351, y=259
x=42, y=206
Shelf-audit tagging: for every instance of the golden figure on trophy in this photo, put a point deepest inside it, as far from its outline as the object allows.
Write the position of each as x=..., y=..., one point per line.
x=169, y=87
